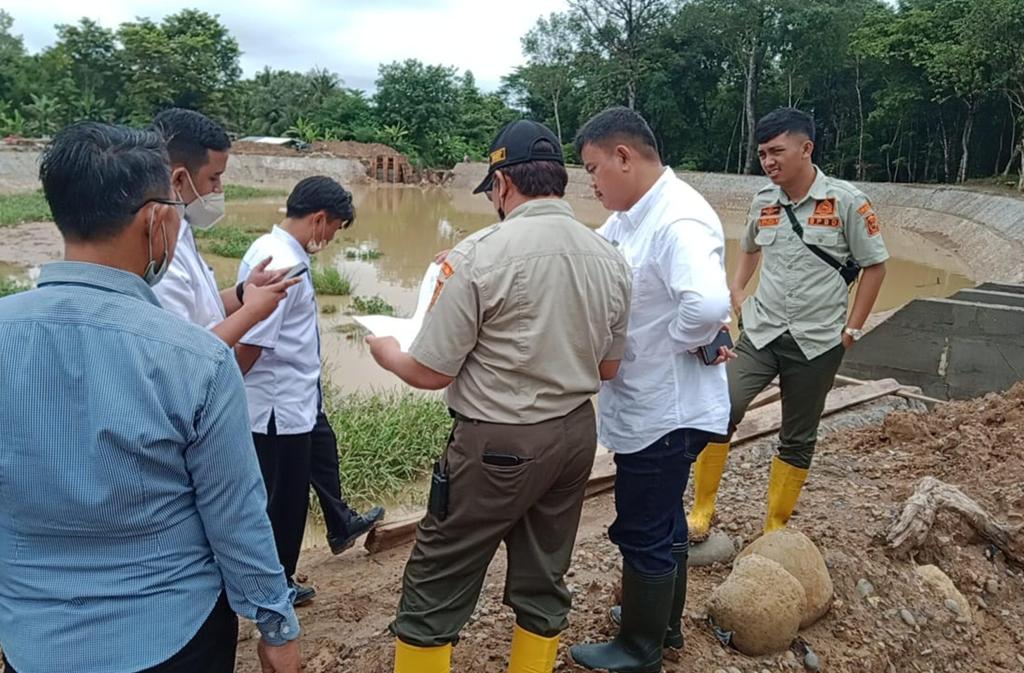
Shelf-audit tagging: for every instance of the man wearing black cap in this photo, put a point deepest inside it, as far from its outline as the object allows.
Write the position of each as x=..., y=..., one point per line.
x=528, y=316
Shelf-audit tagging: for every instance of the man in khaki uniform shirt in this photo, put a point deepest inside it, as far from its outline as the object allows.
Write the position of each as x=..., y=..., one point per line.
x=796, y=325
x=529, y=315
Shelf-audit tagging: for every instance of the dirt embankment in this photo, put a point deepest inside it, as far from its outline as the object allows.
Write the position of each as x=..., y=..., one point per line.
x=858, y=484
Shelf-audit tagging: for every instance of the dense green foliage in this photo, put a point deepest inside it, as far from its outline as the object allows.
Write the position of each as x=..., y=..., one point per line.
x=915, y=90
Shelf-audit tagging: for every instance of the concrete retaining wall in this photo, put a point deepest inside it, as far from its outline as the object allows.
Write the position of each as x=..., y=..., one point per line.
x=19, y=170
x=983, y=232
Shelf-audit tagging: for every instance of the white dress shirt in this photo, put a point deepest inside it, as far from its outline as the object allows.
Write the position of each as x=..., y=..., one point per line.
x=673, y=240
x=285, y=379
x=188, y=289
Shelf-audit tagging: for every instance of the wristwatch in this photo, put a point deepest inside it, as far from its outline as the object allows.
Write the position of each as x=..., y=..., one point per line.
x=854, y=333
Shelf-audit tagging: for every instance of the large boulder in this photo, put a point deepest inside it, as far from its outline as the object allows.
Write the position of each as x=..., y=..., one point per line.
x=761, y=603
x=795, y=552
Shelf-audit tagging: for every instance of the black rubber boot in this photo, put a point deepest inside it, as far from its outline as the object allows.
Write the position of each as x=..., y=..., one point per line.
x=674, y=633
x=646, y=604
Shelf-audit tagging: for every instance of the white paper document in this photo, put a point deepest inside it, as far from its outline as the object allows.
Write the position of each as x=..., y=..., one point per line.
x=404, y=329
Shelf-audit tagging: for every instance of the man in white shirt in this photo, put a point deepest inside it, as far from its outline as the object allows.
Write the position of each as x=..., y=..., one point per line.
x=280, y=358
x=198, y=149
x=665, y=404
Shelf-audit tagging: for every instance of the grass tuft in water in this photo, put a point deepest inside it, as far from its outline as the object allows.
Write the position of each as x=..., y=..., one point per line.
x=330, y=281
x=386, y=441
x=225, y=241
x=375, y=305
x=23, y=207
x=239, y=192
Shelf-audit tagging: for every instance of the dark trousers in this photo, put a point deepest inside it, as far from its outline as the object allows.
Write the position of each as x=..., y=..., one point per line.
x=649, y=520
x=285, y=464
x=211, y=650
x=533, y=506
x=326, y=481
x=804, y=385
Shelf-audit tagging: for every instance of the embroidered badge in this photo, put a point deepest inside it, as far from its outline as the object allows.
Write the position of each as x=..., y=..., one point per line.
x=833, y=222
x=871, y=221
x=769, y=211
x=826, y=208
x=447, y=270
x=767, y=222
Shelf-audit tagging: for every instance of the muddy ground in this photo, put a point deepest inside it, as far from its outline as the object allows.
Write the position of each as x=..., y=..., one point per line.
x=858, y=483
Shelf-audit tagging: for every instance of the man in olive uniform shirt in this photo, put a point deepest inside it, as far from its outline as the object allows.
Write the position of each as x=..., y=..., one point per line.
x=796, y=325
x=529, y=315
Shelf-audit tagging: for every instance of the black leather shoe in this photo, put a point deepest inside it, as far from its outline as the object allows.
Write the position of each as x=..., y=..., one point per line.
x=357, y=526
x=303, y=593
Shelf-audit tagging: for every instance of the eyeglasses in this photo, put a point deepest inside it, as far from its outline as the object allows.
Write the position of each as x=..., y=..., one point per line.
x=179, y=206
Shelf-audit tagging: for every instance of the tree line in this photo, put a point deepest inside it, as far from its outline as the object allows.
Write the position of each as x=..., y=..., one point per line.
x=914, y=91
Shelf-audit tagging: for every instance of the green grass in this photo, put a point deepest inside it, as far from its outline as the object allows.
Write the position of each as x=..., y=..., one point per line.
x=238, y=192
x=386, y=440
x=356, y=253
x=9, y=287
x=225, y=241
x=330, y=281
x=23, y=207
x=374, y=305
x=329, y=309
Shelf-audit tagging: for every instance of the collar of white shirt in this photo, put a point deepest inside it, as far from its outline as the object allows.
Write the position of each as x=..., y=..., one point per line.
x=634, y=216
x=292, y=243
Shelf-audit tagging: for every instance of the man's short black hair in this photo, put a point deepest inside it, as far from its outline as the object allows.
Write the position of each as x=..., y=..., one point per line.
x=318, y=193
x=784, y=120
x=620, y=126
x=190, y=137
x=97, y=176
x=539, y=178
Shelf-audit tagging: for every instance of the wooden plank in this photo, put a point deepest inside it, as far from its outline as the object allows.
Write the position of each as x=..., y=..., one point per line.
x=391, y=534
x=759, y=422
x=907, y=392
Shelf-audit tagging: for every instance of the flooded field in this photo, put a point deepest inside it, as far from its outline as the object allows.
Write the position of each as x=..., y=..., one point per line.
x=407, y=226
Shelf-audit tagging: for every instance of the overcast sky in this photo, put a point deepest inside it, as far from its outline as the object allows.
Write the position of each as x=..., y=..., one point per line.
x=349, y=37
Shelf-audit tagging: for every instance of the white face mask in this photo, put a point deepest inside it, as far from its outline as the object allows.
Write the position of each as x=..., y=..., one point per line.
x=153, y=274
x=205, y=211
x=314, y=246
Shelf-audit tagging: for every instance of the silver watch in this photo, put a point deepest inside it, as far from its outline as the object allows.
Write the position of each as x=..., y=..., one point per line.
x=854, y=333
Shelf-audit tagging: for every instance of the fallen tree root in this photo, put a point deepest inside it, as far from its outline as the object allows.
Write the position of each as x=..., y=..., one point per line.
x=931, y=495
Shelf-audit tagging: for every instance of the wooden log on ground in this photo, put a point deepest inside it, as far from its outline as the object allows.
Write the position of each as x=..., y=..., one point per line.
x=910, y=531
x=758, y=422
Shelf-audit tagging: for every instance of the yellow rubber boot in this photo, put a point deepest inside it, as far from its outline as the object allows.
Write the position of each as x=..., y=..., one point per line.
x=784, y=485
x=412, y=659
x=707, y=474
x=531, y=653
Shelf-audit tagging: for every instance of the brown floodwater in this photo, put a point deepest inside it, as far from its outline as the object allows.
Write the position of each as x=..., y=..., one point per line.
x=408, y=225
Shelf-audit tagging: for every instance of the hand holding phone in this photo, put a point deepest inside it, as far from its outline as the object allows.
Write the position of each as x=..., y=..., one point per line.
x=710, y=354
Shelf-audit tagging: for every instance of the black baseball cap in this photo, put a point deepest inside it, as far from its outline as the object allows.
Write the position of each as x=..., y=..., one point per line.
x=516, y=144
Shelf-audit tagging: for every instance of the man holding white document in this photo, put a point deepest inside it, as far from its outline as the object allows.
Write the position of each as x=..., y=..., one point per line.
x=525, y=319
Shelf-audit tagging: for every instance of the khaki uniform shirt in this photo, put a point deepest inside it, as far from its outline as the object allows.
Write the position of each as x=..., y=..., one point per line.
x=798, y=292
x=523, y=313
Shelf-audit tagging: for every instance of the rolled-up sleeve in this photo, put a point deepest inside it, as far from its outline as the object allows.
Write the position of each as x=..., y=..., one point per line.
x=232, y=502
x=690, y=260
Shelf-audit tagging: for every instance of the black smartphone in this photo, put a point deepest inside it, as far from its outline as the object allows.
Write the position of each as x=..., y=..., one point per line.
x=709, y=353
x=502, y=459
x=296, y=271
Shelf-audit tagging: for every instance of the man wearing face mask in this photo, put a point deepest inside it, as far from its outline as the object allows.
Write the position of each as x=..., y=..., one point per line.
x=280, y=358
x=528, y=316
x=132, y=513
x=198, y=149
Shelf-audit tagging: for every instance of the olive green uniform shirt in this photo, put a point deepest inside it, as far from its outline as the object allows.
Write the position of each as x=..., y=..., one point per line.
x=798, y=292
x=523, y=313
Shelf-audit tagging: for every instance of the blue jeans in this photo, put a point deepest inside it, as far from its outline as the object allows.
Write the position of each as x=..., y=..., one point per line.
x=649, y=520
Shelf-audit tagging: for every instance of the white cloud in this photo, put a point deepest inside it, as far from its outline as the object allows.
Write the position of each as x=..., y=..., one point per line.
x=350, y=37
